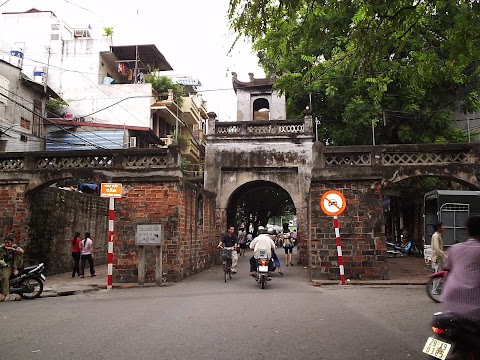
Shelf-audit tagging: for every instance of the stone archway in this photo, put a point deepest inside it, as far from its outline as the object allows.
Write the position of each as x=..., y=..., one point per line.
x=261, y=199
x=286, y=183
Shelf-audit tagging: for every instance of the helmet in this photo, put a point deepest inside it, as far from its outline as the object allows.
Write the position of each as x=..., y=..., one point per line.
x=270, y=231
x=261, y=230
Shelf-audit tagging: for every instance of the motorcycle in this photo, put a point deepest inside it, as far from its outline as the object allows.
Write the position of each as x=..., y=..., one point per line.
x=262, y=268
x=29, y=282
x=410, y=248
x=438, y=276
x=453, y=338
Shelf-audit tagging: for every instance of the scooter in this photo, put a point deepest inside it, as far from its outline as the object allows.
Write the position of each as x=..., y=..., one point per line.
x=262, y=268
x=453, y=338
x=29, y=282
x=409, y=249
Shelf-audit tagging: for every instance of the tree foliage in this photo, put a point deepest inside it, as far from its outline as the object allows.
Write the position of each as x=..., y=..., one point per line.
x=403, y=65
x=161, y=84
x=256, y=206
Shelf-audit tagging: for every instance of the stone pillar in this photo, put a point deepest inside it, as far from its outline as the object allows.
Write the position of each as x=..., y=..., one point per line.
x=308, y=122
x=302, y=236
x=220, y=228
x=211, y=123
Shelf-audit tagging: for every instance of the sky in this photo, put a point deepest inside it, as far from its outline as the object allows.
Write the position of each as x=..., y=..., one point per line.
x=193, y=36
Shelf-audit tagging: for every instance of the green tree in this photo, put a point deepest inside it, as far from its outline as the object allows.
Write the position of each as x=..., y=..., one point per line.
x=108, y=31
x=401, y=65
x=256, y=206
x=162, y=84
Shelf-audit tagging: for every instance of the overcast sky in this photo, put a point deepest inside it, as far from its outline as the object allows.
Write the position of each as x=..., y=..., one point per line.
x=193, y=36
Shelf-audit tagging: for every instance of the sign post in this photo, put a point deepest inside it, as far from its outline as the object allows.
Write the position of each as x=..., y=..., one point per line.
x=146, y=235
x=333, y=203
x=111, y=191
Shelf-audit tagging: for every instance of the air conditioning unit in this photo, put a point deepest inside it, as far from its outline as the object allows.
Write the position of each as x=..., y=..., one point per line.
x=133, y=141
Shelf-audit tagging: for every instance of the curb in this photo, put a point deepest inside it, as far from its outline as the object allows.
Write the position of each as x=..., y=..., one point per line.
x=369, y=282
x=94, y=287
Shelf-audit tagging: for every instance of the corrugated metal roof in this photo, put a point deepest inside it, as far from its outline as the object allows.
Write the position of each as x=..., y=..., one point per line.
x=110, y=139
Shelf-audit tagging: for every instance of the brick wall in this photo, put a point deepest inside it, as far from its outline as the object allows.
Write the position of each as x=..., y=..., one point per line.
x=14, y=212
x=188, y=243
x=55, y=215
x=361, y=231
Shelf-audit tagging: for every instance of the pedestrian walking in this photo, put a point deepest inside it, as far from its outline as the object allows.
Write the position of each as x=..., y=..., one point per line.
x=438, y=255
x=87, y=254
x=242, y=241
x=76, y=253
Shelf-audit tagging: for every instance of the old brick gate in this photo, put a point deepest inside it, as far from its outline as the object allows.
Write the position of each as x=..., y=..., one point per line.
x=194, y=214
x=283, y=153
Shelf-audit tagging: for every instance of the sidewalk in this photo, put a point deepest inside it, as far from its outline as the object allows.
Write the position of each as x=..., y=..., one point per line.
x=64, y=284
x=408, y=270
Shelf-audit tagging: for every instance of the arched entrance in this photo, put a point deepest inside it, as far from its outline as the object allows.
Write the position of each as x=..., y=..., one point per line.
x=403, y=203
x=260, y=203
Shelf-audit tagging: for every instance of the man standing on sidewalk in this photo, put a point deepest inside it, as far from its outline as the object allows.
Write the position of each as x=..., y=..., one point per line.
x=438, y=255
x=11, y=259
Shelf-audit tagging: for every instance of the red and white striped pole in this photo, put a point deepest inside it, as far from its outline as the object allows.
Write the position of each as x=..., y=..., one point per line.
x=339, y=250
x=111, y=217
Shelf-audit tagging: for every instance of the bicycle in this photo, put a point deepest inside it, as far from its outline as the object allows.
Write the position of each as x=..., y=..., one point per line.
x=226, y=256
x=440, y=277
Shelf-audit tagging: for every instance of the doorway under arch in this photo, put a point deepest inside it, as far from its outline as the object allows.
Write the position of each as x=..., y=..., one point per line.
x=259, y=203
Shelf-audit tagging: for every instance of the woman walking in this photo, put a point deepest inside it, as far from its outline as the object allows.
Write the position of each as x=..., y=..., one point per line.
x=87, y=254
x=76, y=254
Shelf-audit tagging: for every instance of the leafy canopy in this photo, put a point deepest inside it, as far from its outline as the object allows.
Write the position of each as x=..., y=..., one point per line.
x=401, y=65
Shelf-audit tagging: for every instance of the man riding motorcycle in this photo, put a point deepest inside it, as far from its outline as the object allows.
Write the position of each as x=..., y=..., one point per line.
x=262, y=241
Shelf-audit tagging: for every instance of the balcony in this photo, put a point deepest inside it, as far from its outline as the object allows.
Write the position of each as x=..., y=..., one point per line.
x=167, y=108
x=193, y=110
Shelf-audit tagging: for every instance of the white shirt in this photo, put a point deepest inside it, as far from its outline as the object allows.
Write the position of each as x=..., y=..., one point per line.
x=262, y=241
x=86, y=246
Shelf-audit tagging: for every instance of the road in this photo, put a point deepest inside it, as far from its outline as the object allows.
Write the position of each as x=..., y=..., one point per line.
x=204, y=318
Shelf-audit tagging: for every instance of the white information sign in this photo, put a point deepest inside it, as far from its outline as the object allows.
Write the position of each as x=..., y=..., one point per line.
x=427, y=252
x=151, y=234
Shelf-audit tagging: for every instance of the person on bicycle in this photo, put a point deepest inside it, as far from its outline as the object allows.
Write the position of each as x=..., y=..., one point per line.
x=230, y=240
x=262, y=241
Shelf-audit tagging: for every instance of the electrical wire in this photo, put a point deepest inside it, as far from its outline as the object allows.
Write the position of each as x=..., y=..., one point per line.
x=92, y=83
x=59, y=116
x=49, y=121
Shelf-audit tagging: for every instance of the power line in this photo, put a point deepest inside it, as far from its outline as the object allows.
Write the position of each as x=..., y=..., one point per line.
x=59, y=116
x=49, y=121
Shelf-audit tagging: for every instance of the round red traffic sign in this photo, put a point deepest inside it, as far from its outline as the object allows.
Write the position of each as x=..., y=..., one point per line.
x=333, y=202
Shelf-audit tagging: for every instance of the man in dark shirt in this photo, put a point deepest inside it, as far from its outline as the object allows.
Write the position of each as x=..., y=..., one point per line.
x=230, y=240
x=461, y=293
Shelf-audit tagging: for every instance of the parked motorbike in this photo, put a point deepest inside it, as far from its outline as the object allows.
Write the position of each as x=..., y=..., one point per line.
x=29, y=282
x=440, y=276
x=262, y=268
x=410, y=248
x=453, y=338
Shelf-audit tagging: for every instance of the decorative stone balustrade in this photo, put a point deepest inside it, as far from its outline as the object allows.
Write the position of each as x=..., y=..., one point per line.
x=391, y=163
x=94, y=159
x=247, y=128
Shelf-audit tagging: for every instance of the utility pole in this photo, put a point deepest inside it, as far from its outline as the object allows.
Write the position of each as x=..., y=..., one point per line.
x=46, y=70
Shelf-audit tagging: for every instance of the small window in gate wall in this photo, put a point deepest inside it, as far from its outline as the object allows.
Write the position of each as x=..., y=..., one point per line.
x=200, y=211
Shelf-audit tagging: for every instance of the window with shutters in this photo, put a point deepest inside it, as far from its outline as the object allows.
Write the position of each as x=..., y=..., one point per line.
x=37, y=119
x=24, y=123
x=3, y=90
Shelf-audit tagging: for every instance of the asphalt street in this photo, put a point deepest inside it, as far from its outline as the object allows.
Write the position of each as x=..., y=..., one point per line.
x=204, y=318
